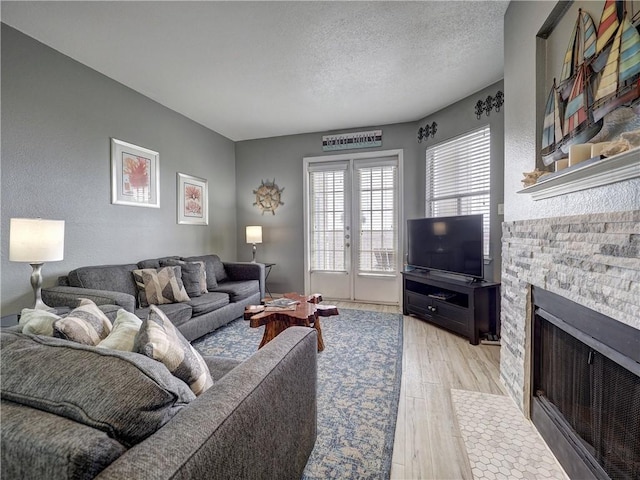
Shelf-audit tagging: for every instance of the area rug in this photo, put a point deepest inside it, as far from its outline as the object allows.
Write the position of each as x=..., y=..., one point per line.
x=500, y=442
x=359, y=375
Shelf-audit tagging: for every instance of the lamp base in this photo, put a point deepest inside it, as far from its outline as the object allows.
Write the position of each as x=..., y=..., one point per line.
x=253, y=260
x=36, y=284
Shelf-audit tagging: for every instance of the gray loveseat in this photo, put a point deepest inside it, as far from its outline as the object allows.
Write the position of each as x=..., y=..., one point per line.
x=231, y=286
x=71, y=411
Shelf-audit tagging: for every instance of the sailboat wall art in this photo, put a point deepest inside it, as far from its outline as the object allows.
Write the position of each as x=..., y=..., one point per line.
x=595, y=93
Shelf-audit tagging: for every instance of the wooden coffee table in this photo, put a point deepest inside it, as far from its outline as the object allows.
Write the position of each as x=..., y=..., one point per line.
x=306, y=313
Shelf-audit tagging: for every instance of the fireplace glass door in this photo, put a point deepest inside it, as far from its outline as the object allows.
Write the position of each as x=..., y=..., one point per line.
x=597, y=398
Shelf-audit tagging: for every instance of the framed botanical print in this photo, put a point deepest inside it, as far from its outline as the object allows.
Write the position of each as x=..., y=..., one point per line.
x=193, y=200
x=135, y=175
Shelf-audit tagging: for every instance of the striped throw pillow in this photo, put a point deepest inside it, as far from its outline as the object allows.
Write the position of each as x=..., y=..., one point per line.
x=159, y=339
x=160, y=286
x=86, y=324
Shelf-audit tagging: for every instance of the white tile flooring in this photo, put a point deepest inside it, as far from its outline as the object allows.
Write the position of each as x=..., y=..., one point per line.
x=500, y=442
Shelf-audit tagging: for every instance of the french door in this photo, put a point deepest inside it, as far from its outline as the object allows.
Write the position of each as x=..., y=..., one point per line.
x=352, y=234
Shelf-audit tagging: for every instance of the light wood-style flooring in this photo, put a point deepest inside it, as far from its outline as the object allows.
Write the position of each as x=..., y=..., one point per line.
x=428, y=444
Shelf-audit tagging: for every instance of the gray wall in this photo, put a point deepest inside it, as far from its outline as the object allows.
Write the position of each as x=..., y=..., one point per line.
x=282, y=158
x=57, y=120
x=526, y=87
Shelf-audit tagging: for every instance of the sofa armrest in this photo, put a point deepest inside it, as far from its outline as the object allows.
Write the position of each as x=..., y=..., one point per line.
x=246, y=271
x=68, y=297
x=256, y=422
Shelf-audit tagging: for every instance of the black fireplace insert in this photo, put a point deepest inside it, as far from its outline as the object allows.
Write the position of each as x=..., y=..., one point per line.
x=586, y=388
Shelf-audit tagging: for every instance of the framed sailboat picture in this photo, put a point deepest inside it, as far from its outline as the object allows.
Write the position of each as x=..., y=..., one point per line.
x=593, y=96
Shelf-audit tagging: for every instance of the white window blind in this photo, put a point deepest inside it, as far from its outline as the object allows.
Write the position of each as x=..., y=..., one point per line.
x=459, y=178
x=378, y=239
x=327, y=190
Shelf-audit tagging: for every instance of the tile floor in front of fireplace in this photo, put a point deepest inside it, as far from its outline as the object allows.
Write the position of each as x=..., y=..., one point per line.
x=500, y=443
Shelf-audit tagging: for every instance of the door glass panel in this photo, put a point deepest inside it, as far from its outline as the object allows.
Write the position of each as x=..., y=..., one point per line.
x=327, y=220
x=377, y=209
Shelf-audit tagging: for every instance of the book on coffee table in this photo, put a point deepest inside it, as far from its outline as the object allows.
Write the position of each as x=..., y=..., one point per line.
x=282, y=303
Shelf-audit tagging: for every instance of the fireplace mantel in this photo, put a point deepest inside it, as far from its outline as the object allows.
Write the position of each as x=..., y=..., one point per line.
x=589, y=174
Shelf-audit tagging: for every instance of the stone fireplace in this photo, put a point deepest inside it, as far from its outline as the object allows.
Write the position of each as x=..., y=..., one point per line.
x=591, y=260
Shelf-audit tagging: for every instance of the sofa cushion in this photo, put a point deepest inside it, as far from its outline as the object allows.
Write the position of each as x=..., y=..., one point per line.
x=160, y=340
x=178, y=313
x=86, y=324
x=41, y=445
x=116, y=278
x=37, y=322
x=158, y=286
x=194, y=276
x=124, y=394
x=214, y=268
x=239, y=290
x=208, y=302
x=124, y=331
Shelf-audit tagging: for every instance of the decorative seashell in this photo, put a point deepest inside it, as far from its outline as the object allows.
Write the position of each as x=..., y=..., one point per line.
x=616, y=147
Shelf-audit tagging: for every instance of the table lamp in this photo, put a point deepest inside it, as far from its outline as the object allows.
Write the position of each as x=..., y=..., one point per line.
x=254, y=235
x=35, y=241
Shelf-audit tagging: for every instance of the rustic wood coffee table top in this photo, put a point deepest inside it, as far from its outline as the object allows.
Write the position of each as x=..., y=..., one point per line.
x=306, y=312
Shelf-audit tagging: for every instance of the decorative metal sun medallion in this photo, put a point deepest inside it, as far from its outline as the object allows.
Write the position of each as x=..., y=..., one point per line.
x=268, y=196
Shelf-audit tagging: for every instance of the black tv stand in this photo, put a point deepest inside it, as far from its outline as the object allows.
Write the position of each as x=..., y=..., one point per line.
x=469, y=308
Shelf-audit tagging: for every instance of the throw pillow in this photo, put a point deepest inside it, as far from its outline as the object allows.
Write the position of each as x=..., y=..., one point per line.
x=193, y=276
x=210, y=271
x=123, y=335
x=160, y=340
x=37, y=322
x=203, y=277
x=156, y=287
x=86, y=324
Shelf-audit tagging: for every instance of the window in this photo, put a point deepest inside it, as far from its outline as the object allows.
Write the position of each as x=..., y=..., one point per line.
x=327, y=191
x=459, y=179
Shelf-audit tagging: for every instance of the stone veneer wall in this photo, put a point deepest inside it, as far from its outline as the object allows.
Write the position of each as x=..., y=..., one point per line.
x=593, y=260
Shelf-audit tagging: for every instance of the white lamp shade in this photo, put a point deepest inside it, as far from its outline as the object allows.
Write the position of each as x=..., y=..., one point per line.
x=34, y=240
x=254, y=234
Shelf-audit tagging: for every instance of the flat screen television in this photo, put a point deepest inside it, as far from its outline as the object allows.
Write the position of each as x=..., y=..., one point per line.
x=447, y=244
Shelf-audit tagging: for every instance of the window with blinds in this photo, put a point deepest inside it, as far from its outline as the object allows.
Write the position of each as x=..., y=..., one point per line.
x=459, y=178
x=327, y=219
x=377, y=204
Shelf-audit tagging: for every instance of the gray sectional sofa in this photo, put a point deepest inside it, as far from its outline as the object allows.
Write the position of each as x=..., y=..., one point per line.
x=231, y=286
x=71, y=411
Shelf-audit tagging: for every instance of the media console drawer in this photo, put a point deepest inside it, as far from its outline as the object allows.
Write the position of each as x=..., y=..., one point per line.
x=466, y=308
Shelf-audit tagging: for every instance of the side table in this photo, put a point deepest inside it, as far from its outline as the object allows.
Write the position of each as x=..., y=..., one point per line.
x=267, y=271
x=9, y=320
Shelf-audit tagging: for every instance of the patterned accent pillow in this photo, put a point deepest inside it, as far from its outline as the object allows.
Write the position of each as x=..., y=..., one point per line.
x=160, y=340
x=37, y=322
x=194, y=275
x=86, y=324
x=203, y=277
x=123, y=335
x=156, y=287
x=210, y=272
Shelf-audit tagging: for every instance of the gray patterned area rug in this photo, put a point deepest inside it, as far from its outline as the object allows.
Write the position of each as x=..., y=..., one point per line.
x=359, y=375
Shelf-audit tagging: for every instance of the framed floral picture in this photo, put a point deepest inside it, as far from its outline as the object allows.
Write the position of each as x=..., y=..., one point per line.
x=193, y=203
x=135, y=175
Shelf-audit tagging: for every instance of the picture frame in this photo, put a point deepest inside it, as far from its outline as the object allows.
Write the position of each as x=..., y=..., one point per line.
x=135, y=175
x=193, y=200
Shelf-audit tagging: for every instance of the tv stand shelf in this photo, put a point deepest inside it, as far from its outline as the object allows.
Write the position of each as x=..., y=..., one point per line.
x=466, y=307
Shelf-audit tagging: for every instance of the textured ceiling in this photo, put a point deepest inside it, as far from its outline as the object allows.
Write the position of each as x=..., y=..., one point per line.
x=263, y=69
